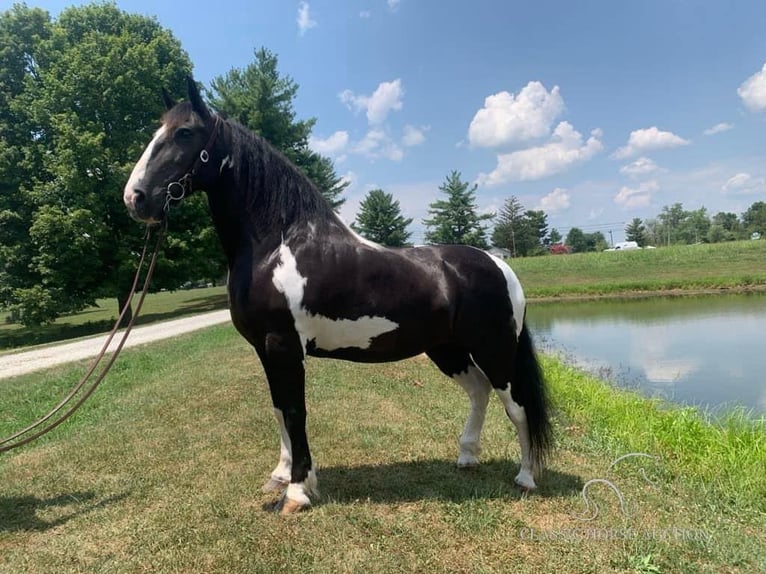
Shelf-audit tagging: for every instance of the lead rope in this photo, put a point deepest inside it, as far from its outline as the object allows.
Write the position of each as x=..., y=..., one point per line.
x=18, y=439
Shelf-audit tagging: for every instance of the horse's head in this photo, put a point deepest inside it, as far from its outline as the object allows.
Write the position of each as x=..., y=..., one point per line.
x=177, y=161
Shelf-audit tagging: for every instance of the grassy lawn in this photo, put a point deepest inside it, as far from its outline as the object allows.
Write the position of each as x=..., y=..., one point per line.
x=161, y=472
x=684, y=267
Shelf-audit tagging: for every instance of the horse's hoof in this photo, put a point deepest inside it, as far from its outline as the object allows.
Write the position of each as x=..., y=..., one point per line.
x=274, y=484
x=525, y=481
x=467, y=462
x=290, y=506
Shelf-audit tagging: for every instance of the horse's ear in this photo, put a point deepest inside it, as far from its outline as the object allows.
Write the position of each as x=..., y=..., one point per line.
x=167, y=99
x=196, y=100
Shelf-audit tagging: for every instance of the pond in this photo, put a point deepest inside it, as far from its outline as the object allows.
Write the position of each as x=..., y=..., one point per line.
x=702, y=351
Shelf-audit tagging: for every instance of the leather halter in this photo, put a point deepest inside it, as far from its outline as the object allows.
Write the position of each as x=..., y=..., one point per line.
x=177, y=190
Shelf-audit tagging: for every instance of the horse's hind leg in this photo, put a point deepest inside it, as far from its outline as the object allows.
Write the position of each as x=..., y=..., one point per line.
x=456, y=363
x=496, y=367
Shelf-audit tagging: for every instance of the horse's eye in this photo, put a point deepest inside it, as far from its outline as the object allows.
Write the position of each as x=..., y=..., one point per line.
x=183, y=134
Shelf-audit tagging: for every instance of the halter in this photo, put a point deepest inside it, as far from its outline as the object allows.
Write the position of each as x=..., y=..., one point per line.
x=177, y=190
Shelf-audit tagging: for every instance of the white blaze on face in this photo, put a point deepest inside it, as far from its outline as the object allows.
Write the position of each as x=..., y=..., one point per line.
x=328, y=334
x=140, y=169
x=515, y=292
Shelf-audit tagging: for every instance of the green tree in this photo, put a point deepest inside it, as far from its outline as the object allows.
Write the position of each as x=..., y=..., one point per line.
x=380, y=219
x=455, y=220
x=84, y=97
x=509, y=225
x=522, y=232
x=554, y=237
x=581, y=242
x=537, y=231
x=754, y=219
x=694, y=226
x=636, y=231
x=261, y=98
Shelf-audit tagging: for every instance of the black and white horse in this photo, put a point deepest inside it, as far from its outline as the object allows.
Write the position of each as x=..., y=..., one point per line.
x=301, y=282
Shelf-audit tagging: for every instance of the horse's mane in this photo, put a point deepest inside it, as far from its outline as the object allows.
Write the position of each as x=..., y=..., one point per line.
x=274, y=190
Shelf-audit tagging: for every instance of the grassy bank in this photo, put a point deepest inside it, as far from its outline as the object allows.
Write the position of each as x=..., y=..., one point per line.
x=161, y=472
x=682, y=268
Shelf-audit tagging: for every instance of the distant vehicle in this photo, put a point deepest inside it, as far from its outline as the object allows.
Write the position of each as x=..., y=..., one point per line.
x=559, y=249
x=624, y=246
x=755, y=236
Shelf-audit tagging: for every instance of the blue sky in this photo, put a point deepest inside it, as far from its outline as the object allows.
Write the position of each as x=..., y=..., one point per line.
x=595, y=111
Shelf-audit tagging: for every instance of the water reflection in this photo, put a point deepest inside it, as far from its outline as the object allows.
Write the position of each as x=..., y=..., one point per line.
x=706, y=351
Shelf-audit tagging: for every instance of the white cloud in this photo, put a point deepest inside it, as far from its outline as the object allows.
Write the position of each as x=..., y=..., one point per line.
x=386, y=97
x=641, y=166
x=718, y=128
x=641, y=196
x=753, y=91
x=412, y=136
x=304, y=20
x=643, y=140
x=393, y=4
x=333, y=145
x=507, y=118
x=365, y=14
x=565, y=149
x=557, y=200
x=376, y=144
x=744, y=184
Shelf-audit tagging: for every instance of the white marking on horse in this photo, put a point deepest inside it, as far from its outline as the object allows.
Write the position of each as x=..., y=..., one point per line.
x=301, y=492
x=515, y=292
x=518, y=417
x=359, y=238
x=328, y=334
x=280, y=476
x=227, y=162
x=477, y=387
x=140, y=168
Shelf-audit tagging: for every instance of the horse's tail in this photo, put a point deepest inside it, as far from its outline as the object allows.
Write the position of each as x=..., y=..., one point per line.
x=531, y=393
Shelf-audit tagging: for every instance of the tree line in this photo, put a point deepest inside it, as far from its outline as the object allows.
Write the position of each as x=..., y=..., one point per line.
x=79, y=99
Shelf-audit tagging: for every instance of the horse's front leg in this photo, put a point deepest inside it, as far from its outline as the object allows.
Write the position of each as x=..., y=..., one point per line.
x=283, y=363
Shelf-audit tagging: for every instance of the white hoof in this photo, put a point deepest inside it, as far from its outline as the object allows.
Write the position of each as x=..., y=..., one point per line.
x=466, y=461
x=525, y=480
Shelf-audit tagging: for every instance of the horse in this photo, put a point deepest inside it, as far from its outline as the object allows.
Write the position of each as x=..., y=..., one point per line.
x=302, y=283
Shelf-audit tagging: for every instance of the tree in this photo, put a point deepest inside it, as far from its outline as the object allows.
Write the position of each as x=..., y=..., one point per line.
x=82, y=94
x=380, y=219
x=694, y=226
x=454, y=220
x=636, y=231
x=554, y=237
x=509, y=225
x=754, y=219
x=580, y=242
x=260, y=98
x=522, y=232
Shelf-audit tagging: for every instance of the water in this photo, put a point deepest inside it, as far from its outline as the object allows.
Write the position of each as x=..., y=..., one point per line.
x=702, y=351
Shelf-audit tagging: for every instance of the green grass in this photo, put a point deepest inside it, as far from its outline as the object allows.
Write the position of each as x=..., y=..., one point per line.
x=685, y=267
x=161, y=472
x=101, y=317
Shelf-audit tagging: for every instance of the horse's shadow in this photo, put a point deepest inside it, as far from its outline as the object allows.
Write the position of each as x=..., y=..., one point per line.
x=436, y=480
x=22, y=513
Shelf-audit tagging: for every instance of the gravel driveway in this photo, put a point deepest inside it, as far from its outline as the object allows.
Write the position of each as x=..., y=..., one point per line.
x=15, y=364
